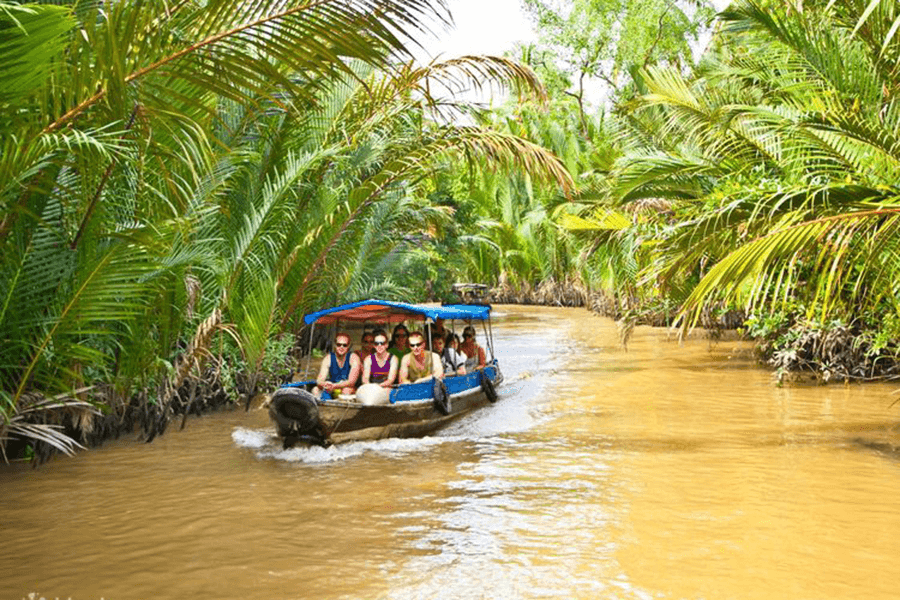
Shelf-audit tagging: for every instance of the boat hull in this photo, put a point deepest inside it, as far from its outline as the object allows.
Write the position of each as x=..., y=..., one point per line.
x=301, y=418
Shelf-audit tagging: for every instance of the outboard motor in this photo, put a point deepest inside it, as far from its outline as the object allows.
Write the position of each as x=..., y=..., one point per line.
x=296, y=416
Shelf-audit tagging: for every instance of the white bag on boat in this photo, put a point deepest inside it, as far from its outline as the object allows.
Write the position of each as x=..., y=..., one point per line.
x=371, y=394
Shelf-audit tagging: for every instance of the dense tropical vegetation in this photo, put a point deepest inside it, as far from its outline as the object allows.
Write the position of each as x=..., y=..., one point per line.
x=756, y=188
x=179, y=182
x=776, y=161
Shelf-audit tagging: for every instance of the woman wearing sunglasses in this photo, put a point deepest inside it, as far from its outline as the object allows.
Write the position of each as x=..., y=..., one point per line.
x=399, y=341
x=381, y=366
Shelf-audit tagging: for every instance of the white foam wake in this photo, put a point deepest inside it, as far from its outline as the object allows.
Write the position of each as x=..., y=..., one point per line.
x=268, y=446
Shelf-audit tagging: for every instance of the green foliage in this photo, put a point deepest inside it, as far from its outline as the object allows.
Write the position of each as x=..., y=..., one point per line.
x=610, y=41
x=156, y=203
x=237, y=373
x=32, y=37
x=766, y=325
x=775, y=164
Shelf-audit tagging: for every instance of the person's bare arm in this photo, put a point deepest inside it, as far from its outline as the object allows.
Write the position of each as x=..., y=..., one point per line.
x=392, y=374
x=404, y=369
x=355, y=368
x=367, y=369
x=322, y=379
x=436, y=366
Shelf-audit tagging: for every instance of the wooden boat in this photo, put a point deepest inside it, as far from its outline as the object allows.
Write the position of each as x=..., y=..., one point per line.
x=414, y=409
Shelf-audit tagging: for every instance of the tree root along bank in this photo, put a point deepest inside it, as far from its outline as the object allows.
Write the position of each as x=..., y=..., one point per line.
x=105, y=415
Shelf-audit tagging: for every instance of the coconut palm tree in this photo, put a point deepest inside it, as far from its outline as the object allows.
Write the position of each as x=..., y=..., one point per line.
x=779, y=160
x=106, y=163
x=175, y=172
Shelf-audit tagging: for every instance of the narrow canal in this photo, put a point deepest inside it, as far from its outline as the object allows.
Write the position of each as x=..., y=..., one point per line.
x=672, y=470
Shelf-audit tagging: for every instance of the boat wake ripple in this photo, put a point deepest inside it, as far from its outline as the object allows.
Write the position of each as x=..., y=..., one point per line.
x=268, y=446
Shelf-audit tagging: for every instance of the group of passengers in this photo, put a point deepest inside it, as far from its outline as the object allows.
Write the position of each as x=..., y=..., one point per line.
x=406, y=359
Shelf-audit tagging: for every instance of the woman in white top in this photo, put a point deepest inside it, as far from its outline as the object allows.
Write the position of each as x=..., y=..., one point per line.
x=454, y=363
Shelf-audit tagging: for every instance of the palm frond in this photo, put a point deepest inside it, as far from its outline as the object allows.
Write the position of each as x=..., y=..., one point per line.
x=764, y=262
x=32, y=37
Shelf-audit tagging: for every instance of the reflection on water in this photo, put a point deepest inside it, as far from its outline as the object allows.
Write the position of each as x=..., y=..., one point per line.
x=672, y=470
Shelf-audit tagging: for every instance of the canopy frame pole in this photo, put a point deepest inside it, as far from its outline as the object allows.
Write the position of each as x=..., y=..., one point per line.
x=489, y=335
x=312, y=333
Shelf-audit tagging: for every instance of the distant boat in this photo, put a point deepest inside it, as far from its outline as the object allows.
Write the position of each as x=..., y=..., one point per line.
x=411, y=410
x=471, y=293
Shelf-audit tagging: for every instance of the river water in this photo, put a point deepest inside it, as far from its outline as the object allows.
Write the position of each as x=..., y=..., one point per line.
x=670, y=470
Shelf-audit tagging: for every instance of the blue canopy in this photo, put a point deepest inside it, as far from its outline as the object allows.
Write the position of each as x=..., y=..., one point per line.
x=382, y=311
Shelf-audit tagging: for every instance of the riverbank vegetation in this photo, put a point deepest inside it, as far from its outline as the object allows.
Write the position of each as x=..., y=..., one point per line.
x=754, y=189
x=179, y=183
x=182, y=182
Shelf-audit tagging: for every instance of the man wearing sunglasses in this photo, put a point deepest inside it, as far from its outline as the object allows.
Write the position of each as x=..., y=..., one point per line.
x=339, y=370
x=421, y=364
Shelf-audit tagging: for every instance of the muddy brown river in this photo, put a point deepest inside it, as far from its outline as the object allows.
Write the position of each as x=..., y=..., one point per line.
x=672, y=470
